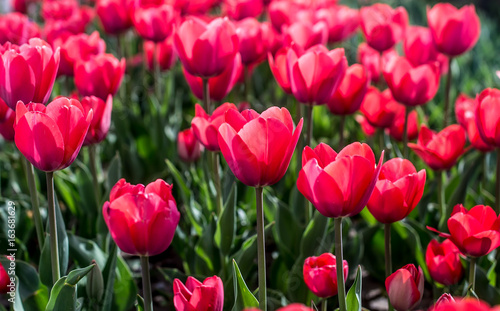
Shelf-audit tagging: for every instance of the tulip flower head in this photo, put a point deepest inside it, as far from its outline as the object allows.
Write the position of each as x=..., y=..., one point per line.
x=206, y=127
x=379, y=108
x=342, y=21
x=114, y=15
x=305, y=35
x=188, y=147
x=462, y=304
x=320, y=274
x=420, y=49
x=206, y=296
x=396, y=130
x=165, y=54
x=465, y=111
x=252, y=47
x=101, y=120
x=373, y=61
x=349, y=95
x=443, y=261
x=17, y=28
x=488, y=116
x=153, y=19
x=7, y=120
x=278, y=65
x=405, y=287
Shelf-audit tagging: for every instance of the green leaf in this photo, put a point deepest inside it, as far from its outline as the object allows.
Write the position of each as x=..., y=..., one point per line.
x=62, y=296
x=83, y=251
x=29, y=282
x=353, y=298
x=287, y=231
x=76, y=275
x=226, y=225
x=140, y=303
x=179, y=181
x=243, y=297
x=114, y=172
x=109, y=273
x=314, y=235
x=125, y=289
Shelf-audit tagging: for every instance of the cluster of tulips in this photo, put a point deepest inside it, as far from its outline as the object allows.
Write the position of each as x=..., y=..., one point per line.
x=217, y=53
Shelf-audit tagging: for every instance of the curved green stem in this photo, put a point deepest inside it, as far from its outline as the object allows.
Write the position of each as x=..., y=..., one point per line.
x=146, y=284
x=340, y=263
x=324, y=305
x=472, y=273
x=440, y=175
x=206, y=95
x=388, y=256
x=261, y=249
x=54, y=247
x=93, y=169
x=342, y=127
x=35, y=205
x=309, y=124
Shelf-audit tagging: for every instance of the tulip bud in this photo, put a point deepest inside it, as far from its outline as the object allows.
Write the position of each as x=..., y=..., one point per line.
x=443, y=261
x=405, y=287
x=320, y=274
x=206, y=296
x=95, y=283
x=469, y=303
x=488, y=116
x=206, y=127
x=188, y=147
x=465, y=111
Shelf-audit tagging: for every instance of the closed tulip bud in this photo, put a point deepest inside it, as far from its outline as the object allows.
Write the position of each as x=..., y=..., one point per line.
x=206, y=50
x=349, y=95
x=295, y=307
x=165, y=53
x=51, y=137
x=320, y=274
x=206, y=127
x=95, y=283
x=101, y=121
x=252, y=45
x=465, y=111
x=305, y=35
x=488, y=116
x=241, y=9
x=420, y=49
x=278, y=65
x=379, y=108
x=412, y=85
x=397, y=192
x=17, y=28
x=188, y=147
x=405, y=287
x=373, y=62
x=206, y=296
x=443, y=261
x=342, y=21
x=153, y=19
x=396, y=129
x=328, y=181
x=469, y=303
x=114, y=15
x=444, y=299
x=440, y=151
x=99, y=76
x=141, y=219
x=258, y=148
x=383, y=26
x=455, y=31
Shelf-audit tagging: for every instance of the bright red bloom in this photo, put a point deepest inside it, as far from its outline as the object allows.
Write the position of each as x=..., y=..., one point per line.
x=315, y=75
x=17, y=28
x=320, y=274
x=342, y=21
x=350, y=94
x=465, y=304
x=188, y=147
x=7, y=120
x=272, y=39
x=165, y=53
x=153, y=19
x=440, y=151
x=396, y=130
x=74, y=24
x=206, y=127
x=405, y=287
x=488, y=116
x=279, y=68
x=367, y=128
x=258, y=148
x=99, y=76
x=420, y=49
x=205, y=50
x=252, y=45
x=241, y=9
x=455, y=31
x=114, y=15
x=370, y=58
x=27, y=73
x=101, y=121
x=443, y=261
x=465, y=113
x=412, y=85
x=4, y=280
x=379, y=108
x=443, y=299
x=330, y=182
x=382, y=25
x=398, y=190
x=295, y=307
x=305, y=35
x=206, y=296
x=283, y=13
x=58, y=9
x=51, y=137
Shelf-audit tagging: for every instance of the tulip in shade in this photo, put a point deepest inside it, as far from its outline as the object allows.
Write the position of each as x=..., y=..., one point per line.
x=188, y=147
x=443, y=299
x=7, y=120
x=373, y=61
x=114, y=15
x=252, y=44
x=412, y=85
x=383, y=26
x=379, y=108
x=206, y=296
x=320, y=274
x=338, y=185
x=205, y=50
x=465, y=113
x=350, y=94
x=258, y=148
x=101, y=121
x=405, y=287
x=443, y=261
x=153, y=19
x=165, y=54
x=295, y=307
x=455, y=31
x=342, y=21
x=488, y=116
x=440, y=151
x=397, y=192
x=396, y=129
x=206, y=127
x=141, y=219
x=51, y=137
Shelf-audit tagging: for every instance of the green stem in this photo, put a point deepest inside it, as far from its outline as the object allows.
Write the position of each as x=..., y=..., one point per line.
x=93, y=169
x=340, y=263
x=54, y=247
x=447, y=94
x=146, y=284
x=497, y=194
x=405, y=132
x=324, y=305
x=157, y=74
x=442, y=200
x=206, y=95
x=298, y=110
x=472, y=273
x=217, y=183
x=30, y=176
x=342, y=127
x=248, y=83
x=309, y=124
x=388, y=256
x=261, y=249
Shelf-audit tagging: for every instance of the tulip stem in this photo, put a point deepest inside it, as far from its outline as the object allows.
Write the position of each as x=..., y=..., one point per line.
x=30, y=176
x=472, y=273
x=93, y=169
x=405, y=133
x=388, y=256
x=54, y=247
x=497, y=195
x=342, y=127
x=340, y=263
x=248, y=83
x=217, y=183
x=441, y=199
x=309, y=124
x=447, y=94
x=324, y=305
x=157, y=73
x=206, y=95
x=146, y=284
x=261, y=249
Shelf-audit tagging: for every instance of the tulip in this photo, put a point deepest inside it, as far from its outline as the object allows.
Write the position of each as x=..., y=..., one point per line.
x=443, y=299
x=290, y=307
x=397, y=192
x=99, y=76
x=320, y=274
x=465, y=113
x=488, y=116
x=420, y=49
x=252, y=46
x=373, y=61
x=342, y=22
x=74, y=24
x=165, y=54
x=188, y=147
x=199, y=7
x=455, y=31
x=273, y=40
x=282, y=13
x=4, y=280
x=366, y=127
x=278, y=65
x=379, y=108
x=383, y=26
x=114, y=15
x=101, y=121
x=397, y=128
x=471, y=304
x=241, y=9
x=153, y=19
x=206, y=127
x=7, y=122
x=349, y=95
x=17, y=28
x=205, y=50
x=27, y=73
x=60, y=9
x=206, y=296
x=405, y=287
x=305, y=35
x=443, y=261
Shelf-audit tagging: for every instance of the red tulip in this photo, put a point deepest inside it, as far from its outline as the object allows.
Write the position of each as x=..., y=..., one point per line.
x=465, y=113
x=405, y=287
x=252, y=46
x=241, y=9
x=443, y=261
x=420, y=49
x=114, y=15
x=320, y=274
x=454, y=31
x=199, y=7
x=367, y=128
x=220, y=85
x=99, y=76
x=27, y=73
x=7, y=120
x=279, y=68
x=476, y=232
x=58, y=9
x=342, y=21
x=440, y=151
x=206, y=127
x=101, y=121
x=137, y=216
x=283, y=13
x=382, y=25
x=205, y=50
x=465, y=304
x=206, y=296
x=153, y=19
x=315, y=75
x=443, y=299
x=74, y=24
x=371, y=59
x=165, y=54
x=305, y=35
x=17, y=28
x=295, y=307
x=379, y=108
x=258, y=148
x=412, y=85
x=273, y=40
x=396, y=129
x=350, y=94
x=397, y=192
x=488, y=116
x=188, y=147
x=51, y=137
x=330, y=183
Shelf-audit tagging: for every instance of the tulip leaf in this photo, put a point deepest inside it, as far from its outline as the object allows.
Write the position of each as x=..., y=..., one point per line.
x=314, y=235
x=243, y=297
x=179, y=181
x=483, y=288
x=83, y=251
x=63, y=294
x=29, y=282
x=76, y=275
x=140, y=303
x=353, y=298
x=114, y=172
x=124, y=287
x=226, y=226
x=287, y=232
x=109, y=273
